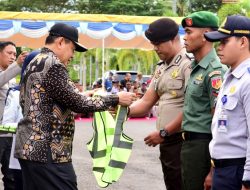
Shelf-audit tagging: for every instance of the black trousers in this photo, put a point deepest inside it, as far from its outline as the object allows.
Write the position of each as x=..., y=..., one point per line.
x=171, y=163
x=48, y=176
x=8, y=176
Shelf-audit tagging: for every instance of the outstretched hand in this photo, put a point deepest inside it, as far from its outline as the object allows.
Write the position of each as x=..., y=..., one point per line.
x=153, y=139
x=126, y=98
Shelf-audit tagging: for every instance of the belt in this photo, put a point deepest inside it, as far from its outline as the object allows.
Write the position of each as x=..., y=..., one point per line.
x=173, y=137
x=221, y=163
x=189, y=136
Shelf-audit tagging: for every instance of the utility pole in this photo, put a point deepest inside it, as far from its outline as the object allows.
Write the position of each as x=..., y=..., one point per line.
x=174, y=6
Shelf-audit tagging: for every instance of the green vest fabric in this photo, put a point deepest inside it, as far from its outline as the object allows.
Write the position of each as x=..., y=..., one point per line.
x=110, y=148
x=8, y=128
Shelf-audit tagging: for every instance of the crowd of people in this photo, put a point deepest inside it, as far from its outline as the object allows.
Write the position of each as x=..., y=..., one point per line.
x=203, y=121
x=138, y=86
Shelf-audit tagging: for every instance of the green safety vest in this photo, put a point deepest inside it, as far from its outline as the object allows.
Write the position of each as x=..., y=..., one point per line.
x=8, y=128
x=110, y=148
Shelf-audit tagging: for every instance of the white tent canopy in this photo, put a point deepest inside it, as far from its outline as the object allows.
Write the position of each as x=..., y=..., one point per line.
x=109, y=31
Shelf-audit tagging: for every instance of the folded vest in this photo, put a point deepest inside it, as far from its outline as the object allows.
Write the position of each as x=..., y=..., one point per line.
x=8, y=128
x=110, y=148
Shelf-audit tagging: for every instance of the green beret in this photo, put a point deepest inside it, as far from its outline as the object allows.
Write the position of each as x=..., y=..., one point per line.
x=201, y=19
x=162, y=30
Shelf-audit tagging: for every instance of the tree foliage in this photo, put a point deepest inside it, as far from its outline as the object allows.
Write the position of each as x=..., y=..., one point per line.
x=122, y=7
x=126, y=7
x=201, y=5
x=39, y=5
x=231, y=9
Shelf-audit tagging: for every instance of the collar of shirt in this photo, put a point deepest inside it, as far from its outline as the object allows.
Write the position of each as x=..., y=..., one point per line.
x=177, y=58
x=211, y=57
x=48, y=51
x=239, y=71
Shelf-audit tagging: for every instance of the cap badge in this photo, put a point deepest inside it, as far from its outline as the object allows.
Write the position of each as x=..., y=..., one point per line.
x=189, y=21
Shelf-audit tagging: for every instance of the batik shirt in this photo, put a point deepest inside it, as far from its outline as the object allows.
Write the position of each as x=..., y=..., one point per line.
x=47, y=98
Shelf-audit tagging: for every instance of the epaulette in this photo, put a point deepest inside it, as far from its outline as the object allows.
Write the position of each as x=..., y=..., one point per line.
x=189, y=56
x=160, y=63
x=215, y=63
x=178, y=58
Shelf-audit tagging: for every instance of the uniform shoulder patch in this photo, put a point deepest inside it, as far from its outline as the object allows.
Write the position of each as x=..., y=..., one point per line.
x=214, y=73
x=216, y=82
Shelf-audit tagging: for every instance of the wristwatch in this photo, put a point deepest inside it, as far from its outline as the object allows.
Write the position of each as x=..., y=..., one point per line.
x=246, y=184
x=163, y=133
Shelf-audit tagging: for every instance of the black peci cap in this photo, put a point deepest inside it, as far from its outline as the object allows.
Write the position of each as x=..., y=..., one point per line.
x=235, y=25
x=162, y=30
x=69, y=32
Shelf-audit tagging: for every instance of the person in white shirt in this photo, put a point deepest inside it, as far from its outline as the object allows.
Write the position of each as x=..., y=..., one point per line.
x=230, y=146
x=12, y=114
x=9, y=68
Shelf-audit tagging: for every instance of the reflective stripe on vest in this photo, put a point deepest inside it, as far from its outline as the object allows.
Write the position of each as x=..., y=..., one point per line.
x=110, y=148
x=8, y=128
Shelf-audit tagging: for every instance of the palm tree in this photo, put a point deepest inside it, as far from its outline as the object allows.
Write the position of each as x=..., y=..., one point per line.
x=139, y=60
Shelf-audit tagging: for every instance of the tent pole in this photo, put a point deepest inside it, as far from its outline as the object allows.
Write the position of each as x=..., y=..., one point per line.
x=103, y=63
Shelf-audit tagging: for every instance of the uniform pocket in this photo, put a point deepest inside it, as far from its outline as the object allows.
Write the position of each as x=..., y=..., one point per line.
x=196, y=90
x=174, y=84
x=231, y=103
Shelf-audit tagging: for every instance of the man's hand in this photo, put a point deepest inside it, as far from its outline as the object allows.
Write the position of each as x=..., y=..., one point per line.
x=126, y=98
x=244, y=188
x=21, y=57
x=153, y=139
x=208, y=181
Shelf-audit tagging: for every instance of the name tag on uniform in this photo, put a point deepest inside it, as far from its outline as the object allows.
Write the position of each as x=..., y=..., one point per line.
x=222, y=119
x=222, y=123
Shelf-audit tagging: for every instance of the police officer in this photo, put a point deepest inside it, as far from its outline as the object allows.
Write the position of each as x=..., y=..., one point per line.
x=229, y=147
x=167, y=87
x=200, y=98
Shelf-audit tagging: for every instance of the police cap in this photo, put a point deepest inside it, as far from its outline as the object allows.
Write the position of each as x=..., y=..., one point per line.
x=235, y=25
x=201, y=19
x=162, y=30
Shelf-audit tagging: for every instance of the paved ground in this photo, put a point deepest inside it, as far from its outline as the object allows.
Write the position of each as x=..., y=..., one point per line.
x=143, y=171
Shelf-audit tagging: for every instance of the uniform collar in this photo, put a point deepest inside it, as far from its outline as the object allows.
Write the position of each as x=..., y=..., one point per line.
x=210, y=58
x=240, y=70
x=178, y=57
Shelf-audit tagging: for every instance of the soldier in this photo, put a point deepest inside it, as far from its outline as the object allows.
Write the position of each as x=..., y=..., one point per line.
x=167, y=87
x=200, y=98
x=229, y=147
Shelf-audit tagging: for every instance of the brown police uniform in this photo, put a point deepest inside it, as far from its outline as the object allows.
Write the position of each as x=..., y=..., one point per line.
x=169, y=82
